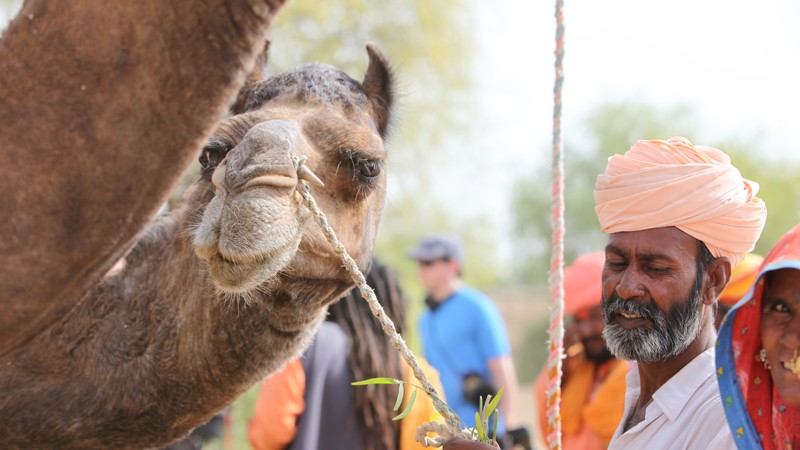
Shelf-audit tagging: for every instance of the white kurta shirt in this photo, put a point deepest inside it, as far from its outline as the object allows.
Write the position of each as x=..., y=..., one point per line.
x=686, y=412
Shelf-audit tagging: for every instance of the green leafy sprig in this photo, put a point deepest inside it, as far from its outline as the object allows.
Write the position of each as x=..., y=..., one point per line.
x=485, y=410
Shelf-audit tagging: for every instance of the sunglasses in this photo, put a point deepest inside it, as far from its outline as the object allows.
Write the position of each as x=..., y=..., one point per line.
x=428, y=263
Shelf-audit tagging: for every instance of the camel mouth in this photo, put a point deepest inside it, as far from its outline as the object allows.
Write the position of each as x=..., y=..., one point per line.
x=326, y=290
x=231, y=277
x=271, y=181
x=240, y=274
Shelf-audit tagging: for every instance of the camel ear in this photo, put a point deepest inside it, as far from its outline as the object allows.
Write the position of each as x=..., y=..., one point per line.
x=253, y=80
x=379, y=84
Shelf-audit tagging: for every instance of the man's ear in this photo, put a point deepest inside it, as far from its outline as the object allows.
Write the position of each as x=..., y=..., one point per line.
x=718, y=273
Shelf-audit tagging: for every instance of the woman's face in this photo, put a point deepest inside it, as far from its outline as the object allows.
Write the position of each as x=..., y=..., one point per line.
x=780, y=331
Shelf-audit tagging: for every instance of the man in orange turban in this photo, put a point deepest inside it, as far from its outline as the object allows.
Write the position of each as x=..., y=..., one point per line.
x=742, y=279
x=679, y=218
x=593, y=384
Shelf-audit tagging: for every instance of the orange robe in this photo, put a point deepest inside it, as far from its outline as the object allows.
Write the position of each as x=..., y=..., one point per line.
x=592, y=403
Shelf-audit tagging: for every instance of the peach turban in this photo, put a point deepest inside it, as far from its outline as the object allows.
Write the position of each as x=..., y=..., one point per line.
x=582, y=283
x=742, y=278
x=673, y=183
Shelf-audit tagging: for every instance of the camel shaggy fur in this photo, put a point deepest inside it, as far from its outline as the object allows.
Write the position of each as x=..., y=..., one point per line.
x=215, y=296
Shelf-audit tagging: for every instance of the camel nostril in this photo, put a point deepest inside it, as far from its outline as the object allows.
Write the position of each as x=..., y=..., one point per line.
x=279, y=181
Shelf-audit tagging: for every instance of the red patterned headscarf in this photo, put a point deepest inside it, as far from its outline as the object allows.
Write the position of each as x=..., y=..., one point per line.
x=756, y=413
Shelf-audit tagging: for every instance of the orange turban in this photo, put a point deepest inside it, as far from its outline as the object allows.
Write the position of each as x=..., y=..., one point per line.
x=582, y=285
x=672, y=183
x=742, y=278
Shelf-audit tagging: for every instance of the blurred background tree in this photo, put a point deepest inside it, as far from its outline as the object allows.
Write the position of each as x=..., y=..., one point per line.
x=610, y=128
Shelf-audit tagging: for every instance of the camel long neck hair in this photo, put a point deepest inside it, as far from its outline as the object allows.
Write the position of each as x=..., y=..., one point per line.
x=371, y=354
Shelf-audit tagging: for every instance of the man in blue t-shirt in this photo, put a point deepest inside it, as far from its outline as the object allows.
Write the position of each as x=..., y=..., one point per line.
x=463, y=334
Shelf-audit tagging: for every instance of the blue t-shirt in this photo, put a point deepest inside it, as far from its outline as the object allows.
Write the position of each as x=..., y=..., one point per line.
x=461, y=336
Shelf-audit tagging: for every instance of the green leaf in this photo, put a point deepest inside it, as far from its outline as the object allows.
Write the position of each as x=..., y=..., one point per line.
x=399, y=401
x=379, y=380
x=479, y=427
x=408, y=407
x=493, y=404
x=496, y=419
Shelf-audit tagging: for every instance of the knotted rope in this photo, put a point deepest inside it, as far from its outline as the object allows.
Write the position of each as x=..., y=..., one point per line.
x=556, y=275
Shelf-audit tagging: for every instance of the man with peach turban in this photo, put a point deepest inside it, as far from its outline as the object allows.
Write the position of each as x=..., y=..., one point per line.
x=679, y=218
x=593, y=383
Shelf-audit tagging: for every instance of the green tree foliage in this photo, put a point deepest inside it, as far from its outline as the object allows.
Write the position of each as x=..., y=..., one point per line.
x=612, y=128
x=779, y=186
x=429, y=42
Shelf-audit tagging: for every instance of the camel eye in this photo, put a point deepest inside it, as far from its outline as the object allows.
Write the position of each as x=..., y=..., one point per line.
x=363, y=168
x=214, y=152
x=368, y=170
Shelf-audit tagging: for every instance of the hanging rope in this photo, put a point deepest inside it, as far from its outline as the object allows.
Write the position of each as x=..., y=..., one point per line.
x=556, y=275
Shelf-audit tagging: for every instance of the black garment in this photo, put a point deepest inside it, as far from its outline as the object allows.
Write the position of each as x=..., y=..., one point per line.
x=329, y=419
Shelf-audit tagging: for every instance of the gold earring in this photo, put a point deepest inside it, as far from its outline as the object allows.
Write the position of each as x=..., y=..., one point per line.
x=762, y=355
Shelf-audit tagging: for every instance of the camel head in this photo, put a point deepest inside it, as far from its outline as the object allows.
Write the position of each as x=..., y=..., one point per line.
x=314, y=119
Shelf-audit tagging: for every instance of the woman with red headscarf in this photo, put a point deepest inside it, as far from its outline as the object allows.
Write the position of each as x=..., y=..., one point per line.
x=758, y=354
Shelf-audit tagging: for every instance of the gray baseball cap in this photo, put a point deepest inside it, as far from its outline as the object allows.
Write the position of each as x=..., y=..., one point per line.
x=438, y=246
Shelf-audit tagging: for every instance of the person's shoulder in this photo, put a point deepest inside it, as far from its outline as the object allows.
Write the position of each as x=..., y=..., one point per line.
x=425, y=315
x=477, y=302
x=471, y=295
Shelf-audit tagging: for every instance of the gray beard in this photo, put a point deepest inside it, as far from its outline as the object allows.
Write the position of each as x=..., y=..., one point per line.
x=671, y=334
